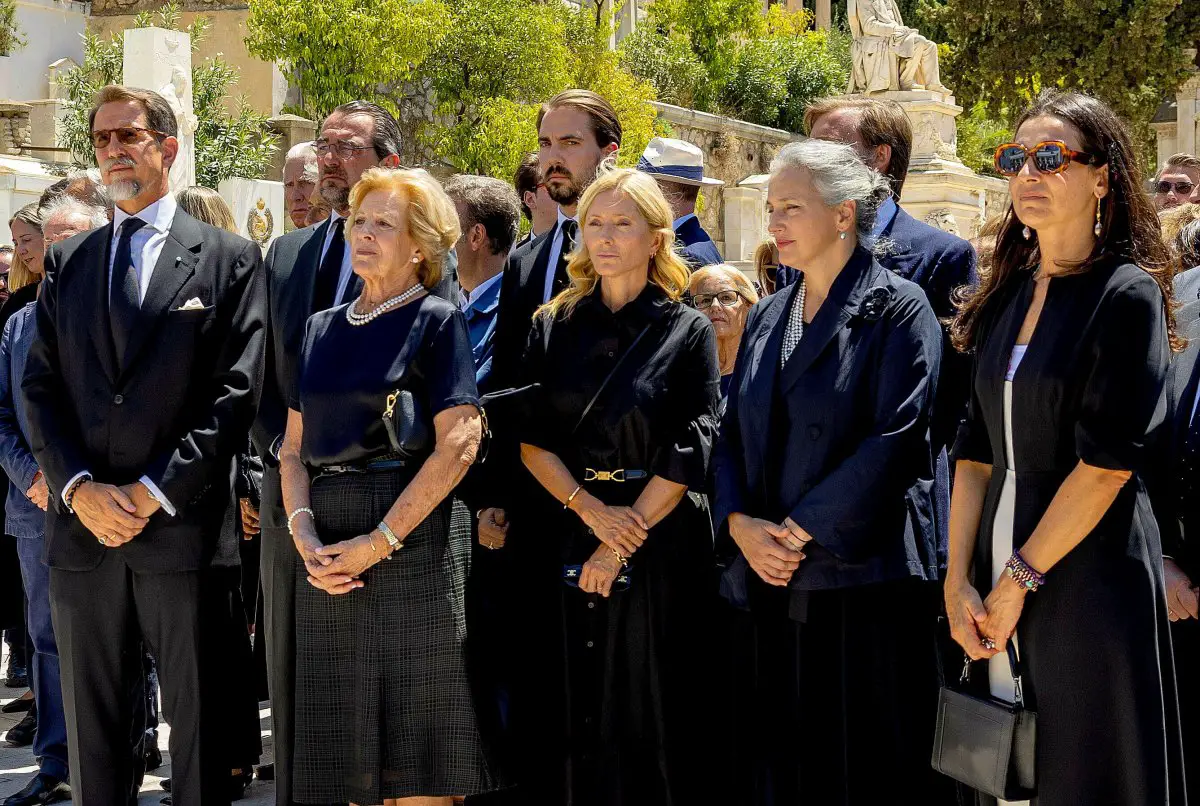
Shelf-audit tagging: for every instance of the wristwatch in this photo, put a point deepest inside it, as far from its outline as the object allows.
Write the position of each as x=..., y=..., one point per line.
x=394, y=543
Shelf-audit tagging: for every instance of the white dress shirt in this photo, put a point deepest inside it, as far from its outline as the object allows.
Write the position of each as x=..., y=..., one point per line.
x=145, y=247
x=347, y=272
x=556, y=244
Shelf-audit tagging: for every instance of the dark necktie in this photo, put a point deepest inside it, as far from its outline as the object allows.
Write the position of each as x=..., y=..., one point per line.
x=124, y=299
x=561, y=280
x=325, y=295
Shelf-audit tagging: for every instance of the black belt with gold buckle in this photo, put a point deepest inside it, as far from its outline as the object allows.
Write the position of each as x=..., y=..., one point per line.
x=618, y=475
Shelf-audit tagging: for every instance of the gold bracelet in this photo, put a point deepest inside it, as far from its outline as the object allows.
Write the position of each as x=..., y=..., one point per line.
x=571, y=497
x=371, y=540
x=624, y=561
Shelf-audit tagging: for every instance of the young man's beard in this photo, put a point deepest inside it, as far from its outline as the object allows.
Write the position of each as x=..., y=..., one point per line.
x=565, y=195
x=123, y=189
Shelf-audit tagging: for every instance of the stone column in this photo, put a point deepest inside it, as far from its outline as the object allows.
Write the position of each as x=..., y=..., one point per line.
x=161, y=60
x=745, y=222
x=292, y=129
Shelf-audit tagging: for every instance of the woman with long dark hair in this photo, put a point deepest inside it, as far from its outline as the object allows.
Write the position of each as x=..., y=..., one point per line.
x=1071, y=336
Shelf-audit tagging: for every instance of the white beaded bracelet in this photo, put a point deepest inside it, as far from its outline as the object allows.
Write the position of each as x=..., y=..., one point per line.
x=292, y=517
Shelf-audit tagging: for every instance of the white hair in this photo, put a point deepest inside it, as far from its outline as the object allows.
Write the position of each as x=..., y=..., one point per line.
x=839, y=176
x=307, y=152
x=70, y=206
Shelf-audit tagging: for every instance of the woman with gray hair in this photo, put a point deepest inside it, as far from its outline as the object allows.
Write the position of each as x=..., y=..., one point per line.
x=823, y=482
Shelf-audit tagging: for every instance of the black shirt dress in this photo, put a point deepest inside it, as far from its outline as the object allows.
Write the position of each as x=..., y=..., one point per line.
x=1095, y=638
x=634, y=667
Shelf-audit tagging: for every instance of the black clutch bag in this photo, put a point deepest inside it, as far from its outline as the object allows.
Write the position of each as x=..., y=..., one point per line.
x=407, y=426
x=987, y=743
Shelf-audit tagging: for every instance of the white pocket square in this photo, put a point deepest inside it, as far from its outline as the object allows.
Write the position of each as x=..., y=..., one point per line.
x=193, y=304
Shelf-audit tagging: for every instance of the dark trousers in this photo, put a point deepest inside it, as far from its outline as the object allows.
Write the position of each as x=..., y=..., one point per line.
x=1185, y=638
x=230, y=661
x=50, y=742
x=99, y=616
x=278, y=626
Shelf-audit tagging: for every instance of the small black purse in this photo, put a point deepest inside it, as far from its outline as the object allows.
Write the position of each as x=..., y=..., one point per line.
x=406, y=425
x=987, y=743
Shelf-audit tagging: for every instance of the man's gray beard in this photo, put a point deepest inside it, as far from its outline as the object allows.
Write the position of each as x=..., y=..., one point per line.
x=336, y=196
x=123, y=189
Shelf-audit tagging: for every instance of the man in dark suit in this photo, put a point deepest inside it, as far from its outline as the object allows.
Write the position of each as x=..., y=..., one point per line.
x=141, y=386
x=1173, y=479
x=678, y=167
x=934, y=259
x=308, y=270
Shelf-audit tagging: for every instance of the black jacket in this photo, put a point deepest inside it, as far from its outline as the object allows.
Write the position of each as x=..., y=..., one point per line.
x=180, y=409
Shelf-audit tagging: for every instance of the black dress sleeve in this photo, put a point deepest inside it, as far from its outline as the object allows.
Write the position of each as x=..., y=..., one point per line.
x=697, y=394
x=972, y=443
x=450, y=366
x=306, y=348
x=533, y=427
x=1123, y=388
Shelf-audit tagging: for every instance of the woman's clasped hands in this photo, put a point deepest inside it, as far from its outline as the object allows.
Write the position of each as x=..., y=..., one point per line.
x=334, y=568
x=773, y=550
x=622, y=529
x=983, y=628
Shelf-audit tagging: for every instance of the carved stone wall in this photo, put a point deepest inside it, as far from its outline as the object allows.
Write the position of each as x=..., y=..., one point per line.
x=14, y=128
x=104, y=8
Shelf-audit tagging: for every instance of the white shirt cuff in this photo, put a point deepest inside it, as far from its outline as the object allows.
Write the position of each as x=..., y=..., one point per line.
x=167, y=506
x=70, y=485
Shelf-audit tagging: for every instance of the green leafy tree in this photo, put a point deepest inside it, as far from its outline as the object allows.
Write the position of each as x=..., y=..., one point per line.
x=713, y=27
x=338, y=50
x=1129, y=53
x=468, y=92
x=228, y=143
x=979, y=135
x=11, y=39
x=667, y=62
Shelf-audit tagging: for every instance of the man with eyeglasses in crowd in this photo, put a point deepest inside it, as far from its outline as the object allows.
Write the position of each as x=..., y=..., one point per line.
x=1178, y=182
x=140, y=385
x=537, y=207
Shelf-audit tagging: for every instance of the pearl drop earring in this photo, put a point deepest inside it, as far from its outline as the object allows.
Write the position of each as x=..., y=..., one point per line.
x=1027, y=233
x=416, y=260
x=1096, y=229
x=841, y=236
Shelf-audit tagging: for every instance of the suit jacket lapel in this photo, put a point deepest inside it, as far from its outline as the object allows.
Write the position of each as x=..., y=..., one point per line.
x=540, y=265
x=843, y=301
x=174, y=268
x=100, y=330
x=763, y=361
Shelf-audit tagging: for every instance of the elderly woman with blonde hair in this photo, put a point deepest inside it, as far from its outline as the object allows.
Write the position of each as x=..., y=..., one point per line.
x=620, y=440
x=383, y=425
x=724, y=295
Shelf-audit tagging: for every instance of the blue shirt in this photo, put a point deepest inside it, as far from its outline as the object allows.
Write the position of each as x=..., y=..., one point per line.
x=480, y=308
x=884, y=216
x=23, y=518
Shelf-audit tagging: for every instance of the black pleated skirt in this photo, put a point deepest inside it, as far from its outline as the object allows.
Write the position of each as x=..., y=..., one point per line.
x=383, y=706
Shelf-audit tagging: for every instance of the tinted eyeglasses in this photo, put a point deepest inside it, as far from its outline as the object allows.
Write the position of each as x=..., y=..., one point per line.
x=1050, y=157
x=1180, y=188
x=343, y=151
x=727, y=299
x=126, y=135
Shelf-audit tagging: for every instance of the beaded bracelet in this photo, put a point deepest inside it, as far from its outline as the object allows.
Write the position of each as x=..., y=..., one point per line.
x=302, y=510
x=1022, y=573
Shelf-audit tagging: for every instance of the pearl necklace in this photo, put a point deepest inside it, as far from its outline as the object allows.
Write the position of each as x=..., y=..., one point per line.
x=360, y=319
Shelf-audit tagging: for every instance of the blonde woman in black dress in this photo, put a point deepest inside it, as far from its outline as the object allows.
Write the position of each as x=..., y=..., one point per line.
x=1052, y=541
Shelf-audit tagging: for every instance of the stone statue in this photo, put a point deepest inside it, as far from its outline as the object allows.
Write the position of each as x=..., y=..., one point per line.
x=176, y=91
x=886, y=54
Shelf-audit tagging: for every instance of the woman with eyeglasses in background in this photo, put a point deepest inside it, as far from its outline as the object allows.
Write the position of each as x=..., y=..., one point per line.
x=724, y=295
x=1050, y=518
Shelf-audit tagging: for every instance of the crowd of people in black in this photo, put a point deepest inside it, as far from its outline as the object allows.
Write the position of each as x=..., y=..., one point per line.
x=592, y=518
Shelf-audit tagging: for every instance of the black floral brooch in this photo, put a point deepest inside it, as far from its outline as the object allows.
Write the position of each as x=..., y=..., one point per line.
x=876, y=301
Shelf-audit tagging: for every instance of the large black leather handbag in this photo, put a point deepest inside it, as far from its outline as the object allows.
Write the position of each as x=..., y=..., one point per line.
x=985, y=742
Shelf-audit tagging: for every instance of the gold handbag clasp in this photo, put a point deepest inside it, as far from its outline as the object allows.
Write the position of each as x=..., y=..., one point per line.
x=391, y=403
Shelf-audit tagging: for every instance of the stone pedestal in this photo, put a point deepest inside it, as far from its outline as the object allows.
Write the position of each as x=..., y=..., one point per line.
x=55, y=74
x=292, y=130
x=6, y=68
x=257, y=206
x=940, y=190
x=45, y=129
x=161, y=60
x=745, y=219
